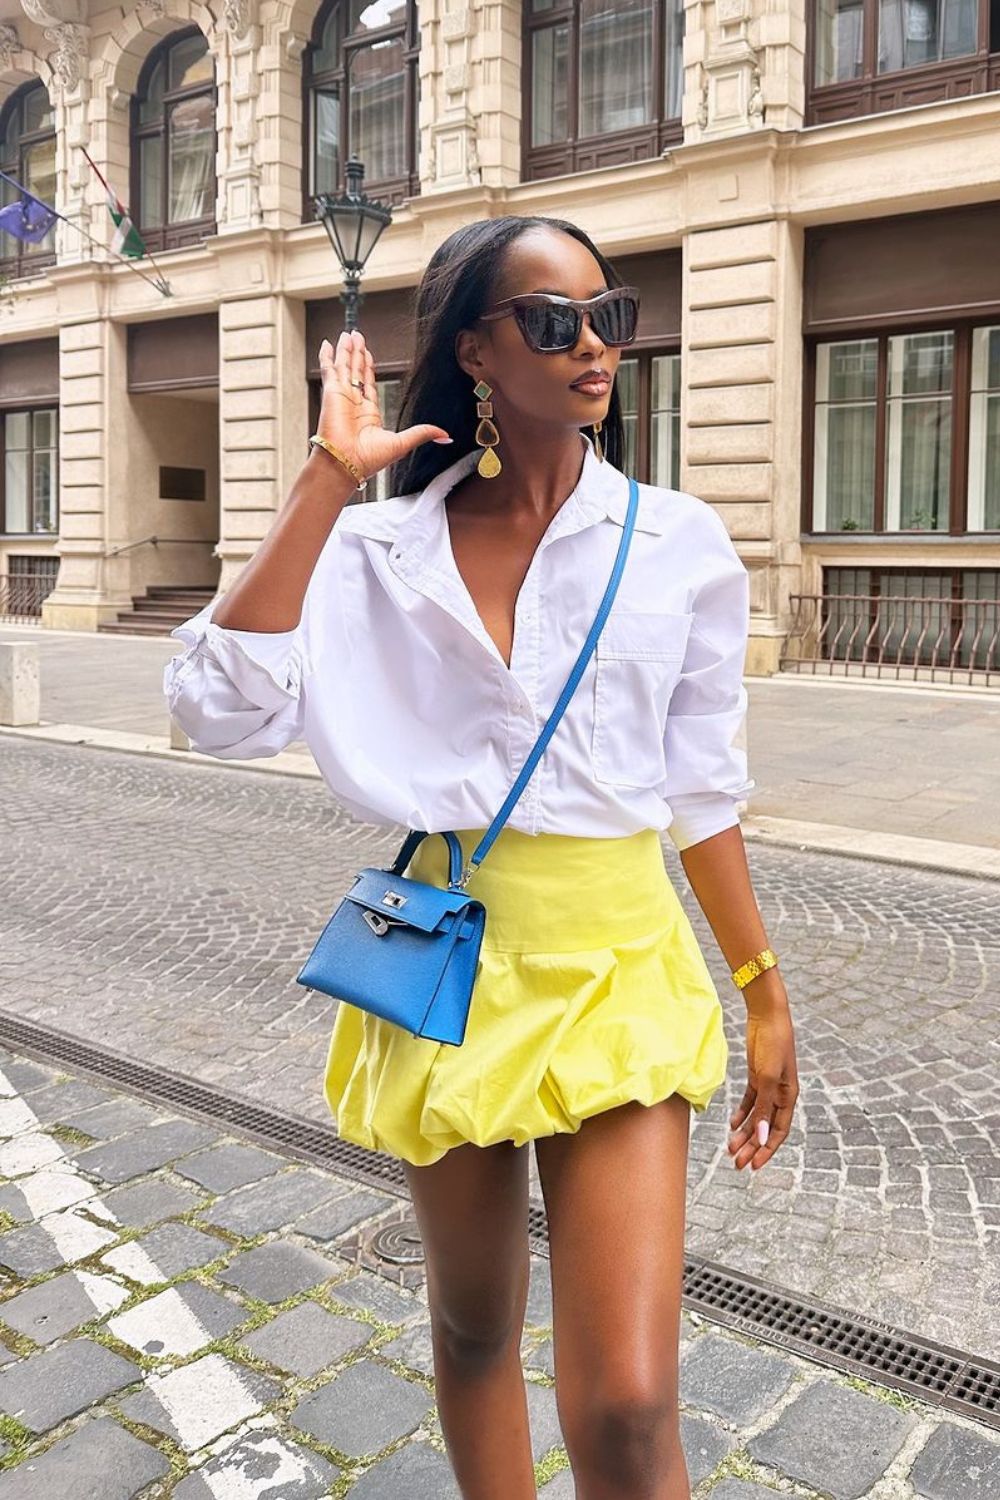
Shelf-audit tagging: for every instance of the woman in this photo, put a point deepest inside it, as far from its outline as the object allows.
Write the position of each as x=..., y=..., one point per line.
x=418, y=644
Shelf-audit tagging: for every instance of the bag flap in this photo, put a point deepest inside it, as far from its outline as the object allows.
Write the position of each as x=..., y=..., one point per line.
x=412, y=902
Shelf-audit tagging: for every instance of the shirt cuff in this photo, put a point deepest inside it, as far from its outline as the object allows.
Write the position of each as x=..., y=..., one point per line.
x=699, y=815
x=264, y=666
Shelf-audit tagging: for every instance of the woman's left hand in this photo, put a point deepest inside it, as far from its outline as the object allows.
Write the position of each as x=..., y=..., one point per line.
x=772, y=1086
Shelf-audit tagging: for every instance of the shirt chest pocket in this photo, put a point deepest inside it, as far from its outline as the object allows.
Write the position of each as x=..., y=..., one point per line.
x=639, y=660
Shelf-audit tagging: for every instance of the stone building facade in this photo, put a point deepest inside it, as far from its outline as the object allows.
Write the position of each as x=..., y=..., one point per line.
x=811, y=214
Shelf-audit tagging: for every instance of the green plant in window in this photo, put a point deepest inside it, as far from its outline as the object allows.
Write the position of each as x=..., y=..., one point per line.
x=849, y=524
x=921, y=520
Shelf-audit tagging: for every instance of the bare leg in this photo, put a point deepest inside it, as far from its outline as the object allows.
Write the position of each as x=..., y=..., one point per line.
x=615, y=1193
x=472, y=1209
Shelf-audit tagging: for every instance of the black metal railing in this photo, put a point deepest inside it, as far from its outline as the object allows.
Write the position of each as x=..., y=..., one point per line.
x=21, y=596
x=916, y=638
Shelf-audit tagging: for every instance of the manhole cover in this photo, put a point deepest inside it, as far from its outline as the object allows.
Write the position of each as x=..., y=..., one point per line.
x=398, y=1243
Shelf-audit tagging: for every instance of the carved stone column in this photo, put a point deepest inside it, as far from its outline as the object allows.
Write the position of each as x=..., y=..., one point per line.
x=239, y=89
x=470, y=94
x=63, y=24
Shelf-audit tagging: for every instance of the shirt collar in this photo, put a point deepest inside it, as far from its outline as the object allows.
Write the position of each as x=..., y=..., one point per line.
x=601, y=493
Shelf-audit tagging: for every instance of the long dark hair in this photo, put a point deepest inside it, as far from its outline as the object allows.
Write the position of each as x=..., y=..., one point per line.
x=459, y=284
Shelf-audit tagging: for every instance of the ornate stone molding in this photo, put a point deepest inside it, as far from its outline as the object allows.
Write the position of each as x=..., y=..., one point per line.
x=54, y=12
x=69, y=60
x=154, y=9
x=10, y=43
x=236, y=17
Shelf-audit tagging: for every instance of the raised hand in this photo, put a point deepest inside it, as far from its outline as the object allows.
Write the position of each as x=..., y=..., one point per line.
x=349, y=416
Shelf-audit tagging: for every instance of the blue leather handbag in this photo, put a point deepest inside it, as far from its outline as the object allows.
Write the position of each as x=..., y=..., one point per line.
x=407, y=950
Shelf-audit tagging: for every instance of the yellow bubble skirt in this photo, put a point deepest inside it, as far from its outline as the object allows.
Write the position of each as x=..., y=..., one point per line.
x=592, y=990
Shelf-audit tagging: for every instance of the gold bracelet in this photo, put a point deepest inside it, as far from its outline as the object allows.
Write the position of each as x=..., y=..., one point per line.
x=765, y=959
x=359, y=478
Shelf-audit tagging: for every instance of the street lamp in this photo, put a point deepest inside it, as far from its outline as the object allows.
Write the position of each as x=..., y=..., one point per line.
x=354, y=224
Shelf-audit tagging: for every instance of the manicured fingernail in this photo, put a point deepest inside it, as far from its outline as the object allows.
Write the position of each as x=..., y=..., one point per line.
x=443, y=440
x=763, y=1131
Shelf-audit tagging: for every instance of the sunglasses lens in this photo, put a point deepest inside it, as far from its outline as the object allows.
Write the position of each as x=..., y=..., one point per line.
x=547, y=326
x=615, y=321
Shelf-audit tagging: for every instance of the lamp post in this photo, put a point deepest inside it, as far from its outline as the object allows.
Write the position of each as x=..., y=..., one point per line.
x=354, y=224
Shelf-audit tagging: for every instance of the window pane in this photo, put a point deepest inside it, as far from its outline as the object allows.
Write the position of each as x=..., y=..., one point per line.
x=191, y=63
x=369, y=15
x=980, y=643
x=844, y=453
x=10, y=144
x=44, y=491
x=15, y=487
x=44, y=425
x=151, y=182
x=627, y=381
x=918, y=441
x=616, y=65
x=846, y=621
x=151, y=107
x=40, y=179
x=674, y=74
x=920, y=363
x=327, y=54
x=326, y=141
x=540, y=5
x=38, y=113
x=912, y=32
x=839, y=40
x=665, y=421
x=9, y=246
x=377, y=128
x=984, y=431
x=549, y=83
x=191, y=175
x=17, y=430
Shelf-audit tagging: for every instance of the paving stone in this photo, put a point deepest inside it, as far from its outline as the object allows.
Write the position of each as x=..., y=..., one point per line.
x=306, y=1339
x=13, y=1202
x=229, y=1166
x=261, y=1466
x=371, y=1293
x=198, y=1402
x=413, y=1348
x=144, y=1151
x=57, y=1240
x=99, y=1461
x=179, y=1320
x=112, y=1119
x=737, y=1382
x=47, y=1388
x=28, y=1153
x=342, y=1214
x=62, y=1100
x=25, y=1076
x=362, y=1410
x=834, y=1438
x=278, y=1270
x=164, y=1253
x=741, y=1489
x=266, y=1206
x=57, y=1307
x=52, y=1188
x=543, y=1358
x=560, y=1487
x=543, y=1419
x=538, y=1309
x=957, y=1462
x=416, y=1472
x=704, y=1445
x=149, y=1202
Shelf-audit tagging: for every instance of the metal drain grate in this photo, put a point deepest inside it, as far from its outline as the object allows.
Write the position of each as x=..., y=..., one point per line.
x=822, y=1332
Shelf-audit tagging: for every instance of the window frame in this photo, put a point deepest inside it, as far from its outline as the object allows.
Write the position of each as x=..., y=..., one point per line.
x=28, y=409
x=182, y=233
x=874, y=93
x=961, y=399
x=390, y=190
x=27, y=260
x=584, y=154
x=645, y=353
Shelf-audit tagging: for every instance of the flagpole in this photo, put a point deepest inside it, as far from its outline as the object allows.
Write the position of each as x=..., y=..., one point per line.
x=162, y=286
x=110, y=191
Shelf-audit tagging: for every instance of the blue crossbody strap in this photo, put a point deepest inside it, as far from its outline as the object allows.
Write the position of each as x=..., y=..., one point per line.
x=457, y=880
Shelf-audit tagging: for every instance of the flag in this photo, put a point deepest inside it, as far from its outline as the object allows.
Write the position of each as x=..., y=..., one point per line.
x=27, y=219
x=127, y=239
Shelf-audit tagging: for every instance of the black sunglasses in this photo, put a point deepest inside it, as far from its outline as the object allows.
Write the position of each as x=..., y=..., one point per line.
x=552, y=324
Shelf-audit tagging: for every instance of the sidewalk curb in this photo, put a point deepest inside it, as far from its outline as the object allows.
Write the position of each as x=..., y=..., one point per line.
x=976, y=861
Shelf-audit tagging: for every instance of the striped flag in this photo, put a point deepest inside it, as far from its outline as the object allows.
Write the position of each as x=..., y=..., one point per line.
x=126, y=240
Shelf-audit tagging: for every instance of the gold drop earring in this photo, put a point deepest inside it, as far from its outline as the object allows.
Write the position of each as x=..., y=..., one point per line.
x=598, y=445
x=487, y=437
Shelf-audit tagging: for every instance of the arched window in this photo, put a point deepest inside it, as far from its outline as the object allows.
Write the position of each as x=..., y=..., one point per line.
x=28, y=153
x=173, y=143
x=360, y=83
x=603, y=82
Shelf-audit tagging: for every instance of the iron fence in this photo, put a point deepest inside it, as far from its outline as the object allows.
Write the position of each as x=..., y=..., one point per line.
x=910, y=637
x=21, y=596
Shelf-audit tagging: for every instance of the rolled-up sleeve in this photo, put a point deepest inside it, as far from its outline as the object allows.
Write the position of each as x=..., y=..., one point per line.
x=705, y=739
x=237, y=694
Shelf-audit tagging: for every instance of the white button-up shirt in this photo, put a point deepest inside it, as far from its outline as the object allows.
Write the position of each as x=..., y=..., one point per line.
x=413, y=716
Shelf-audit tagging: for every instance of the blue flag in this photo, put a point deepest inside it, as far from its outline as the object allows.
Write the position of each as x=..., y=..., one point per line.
x=28, y=219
